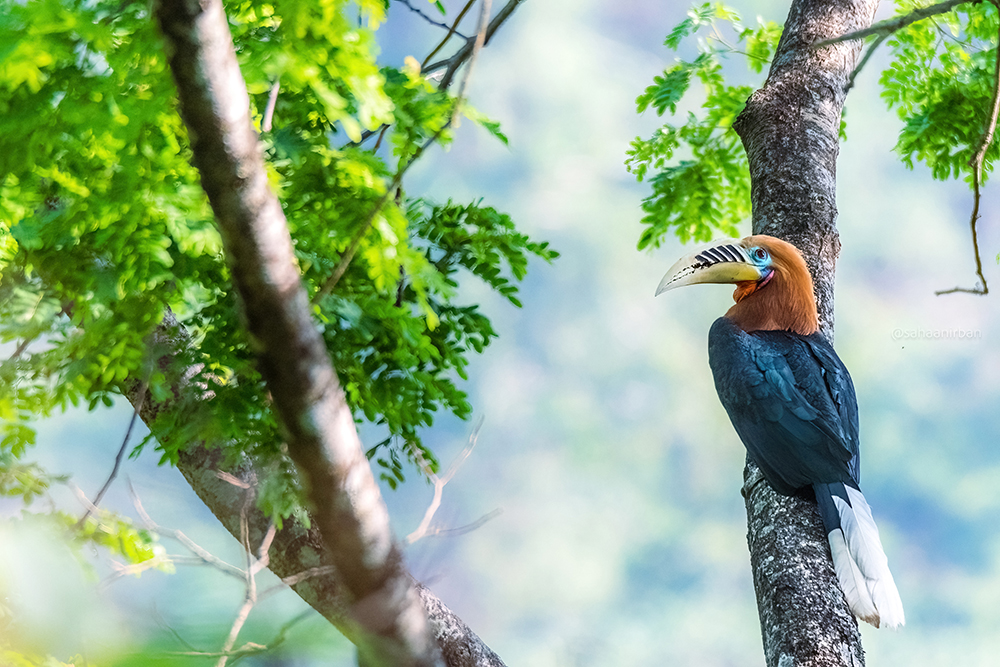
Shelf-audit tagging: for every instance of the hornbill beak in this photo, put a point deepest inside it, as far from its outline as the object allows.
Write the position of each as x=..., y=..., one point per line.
x=722, y=261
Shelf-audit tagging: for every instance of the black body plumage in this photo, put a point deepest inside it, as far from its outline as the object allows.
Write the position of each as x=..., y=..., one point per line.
x=792, y=403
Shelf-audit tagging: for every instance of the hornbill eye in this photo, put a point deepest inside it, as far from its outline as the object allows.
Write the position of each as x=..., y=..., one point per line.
x=759, y=254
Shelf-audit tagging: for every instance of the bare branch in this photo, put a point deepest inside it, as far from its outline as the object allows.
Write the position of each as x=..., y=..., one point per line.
x=21, y=347
x=308, y=574
x=201, y=553
x=415, y=10
x=976, y=163
x=295, y=579
x=252, y=569
x=272, y=101
x=249, y=648
x=467, y=528
x=452, y=64
x=439, y=483
x=890, y=26
x=133, y=568
x=452, y=31
x=234, y=631
x=864, y=61
x=231, y=479
x=263, y=555
x=120, y=455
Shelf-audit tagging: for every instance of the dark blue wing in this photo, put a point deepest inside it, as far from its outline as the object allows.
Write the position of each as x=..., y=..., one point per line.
x=791, y=401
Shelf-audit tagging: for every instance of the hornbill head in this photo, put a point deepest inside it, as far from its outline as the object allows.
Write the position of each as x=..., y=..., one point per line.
x=723, y=261
x=752, y=264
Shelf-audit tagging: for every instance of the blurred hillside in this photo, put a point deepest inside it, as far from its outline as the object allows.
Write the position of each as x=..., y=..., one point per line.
x=622, y=538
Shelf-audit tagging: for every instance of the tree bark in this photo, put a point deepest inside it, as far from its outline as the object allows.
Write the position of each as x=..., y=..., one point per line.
x=790, y=130
x=390, y=626
x=298, y=554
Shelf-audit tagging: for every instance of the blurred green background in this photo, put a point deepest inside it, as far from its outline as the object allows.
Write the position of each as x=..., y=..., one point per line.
x=622, y=537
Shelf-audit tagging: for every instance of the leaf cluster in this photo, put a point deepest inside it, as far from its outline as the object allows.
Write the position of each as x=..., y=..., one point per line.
x=696, y=167
x=941, y=84
x=104, y=228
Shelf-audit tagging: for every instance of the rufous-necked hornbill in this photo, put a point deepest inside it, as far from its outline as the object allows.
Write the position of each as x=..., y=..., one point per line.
x=792, y=402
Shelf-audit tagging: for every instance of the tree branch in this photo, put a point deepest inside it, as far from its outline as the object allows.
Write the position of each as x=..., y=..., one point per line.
x=452, y=31
x=352, y=249
x=864, y=61
x=890, y=26
x=118, y=458
x=418, y=12
x=976, y=163
x=440, y=482
x=298, y=555
x=307, y=397
x=452, y=64
x=272, y=101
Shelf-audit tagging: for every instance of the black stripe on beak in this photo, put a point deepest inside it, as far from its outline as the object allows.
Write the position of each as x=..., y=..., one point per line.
x=718, y=254
x=732, y=253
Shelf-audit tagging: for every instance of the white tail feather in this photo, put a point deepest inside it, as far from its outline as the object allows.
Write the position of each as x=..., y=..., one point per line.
x=852, y=582
x=867, y=567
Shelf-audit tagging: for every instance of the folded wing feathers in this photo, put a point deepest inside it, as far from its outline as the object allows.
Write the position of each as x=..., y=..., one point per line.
x=869, y=586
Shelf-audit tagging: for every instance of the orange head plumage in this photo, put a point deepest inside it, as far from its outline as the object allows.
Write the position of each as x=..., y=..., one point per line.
x=774, y=290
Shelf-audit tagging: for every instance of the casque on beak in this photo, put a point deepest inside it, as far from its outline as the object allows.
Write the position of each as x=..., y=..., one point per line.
x=722, y=261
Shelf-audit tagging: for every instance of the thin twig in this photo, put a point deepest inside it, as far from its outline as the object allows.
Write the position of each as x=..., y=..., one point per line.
x=976, y=163
x=134, y=568
x=121, y=453
x=272, y=101
x=249, y=648
x=864, y=61
x=452, y=63
x=352, y=249
x=467, y=528
x=477, y=46
x=250, y=600
x=296, y=579
x=465, y=53
x=21, y=347
x=420, y=13
x=232, y=479
x=452, y=31
x=439, y=483
x=200, y=552
x=160, y=621
x=82, y=497
x=890, y=26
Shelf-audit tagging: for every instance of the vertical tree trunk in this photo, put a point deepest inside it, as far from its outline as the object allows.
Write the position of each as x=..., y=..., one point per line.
x=790, y=130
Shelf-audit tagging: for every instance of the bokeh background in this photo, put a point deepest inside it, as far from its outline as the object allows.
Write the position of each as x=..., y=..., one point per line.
x=622, y=536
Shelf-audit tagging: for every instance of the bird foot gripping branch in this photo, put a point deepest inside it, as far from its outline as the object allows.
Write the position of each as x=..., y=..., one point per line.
x=792, y=402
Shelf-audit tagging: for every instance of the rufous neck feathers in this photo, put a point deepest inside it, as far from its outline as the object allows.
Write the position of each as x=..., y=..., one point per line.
x=785, y=302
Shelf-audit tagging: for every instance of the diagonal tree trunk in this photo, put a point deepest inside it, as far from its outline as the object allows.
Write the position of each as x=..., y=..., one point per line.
x=296, y=550
x=790, y=130
x=375, y=601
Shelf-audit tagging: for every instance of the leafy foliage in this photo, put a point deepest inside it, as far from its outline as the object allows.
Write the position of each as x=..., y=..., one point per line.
x=104, y=226
x=701, y=182
x=941, y=84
